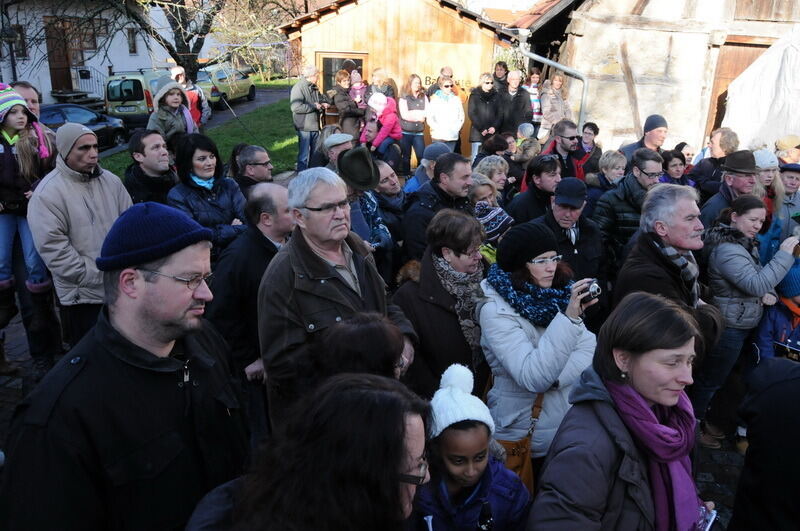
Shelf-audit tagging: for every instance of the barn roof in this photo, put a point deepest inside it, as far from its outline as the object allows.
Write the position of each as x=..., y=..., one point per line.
x=541, y=13
x=332, y=7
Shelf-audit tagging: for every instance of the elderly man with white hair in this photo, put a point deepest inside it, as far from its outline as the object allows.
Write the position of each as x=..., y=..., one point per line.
x=324, y=275
x=515, y=103
x=307, y=105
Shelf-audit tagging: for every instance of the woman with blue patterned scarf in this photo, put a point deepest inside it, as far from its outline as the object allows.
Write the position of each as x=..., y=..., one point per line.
x=533, y=335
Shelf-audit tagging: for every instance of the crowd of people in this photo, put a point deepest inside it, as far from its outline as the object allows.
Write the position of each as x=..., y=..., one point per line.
x=534, y=336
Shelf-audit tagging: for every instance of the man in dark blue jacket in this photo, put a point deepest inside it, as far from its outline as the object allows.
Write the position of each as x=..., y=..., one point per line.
x=655, y=132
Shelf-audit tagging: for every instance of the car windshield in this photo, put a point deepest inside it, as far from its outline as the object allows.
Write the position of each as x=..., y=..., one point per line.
x=202, y=75
x=124, y=90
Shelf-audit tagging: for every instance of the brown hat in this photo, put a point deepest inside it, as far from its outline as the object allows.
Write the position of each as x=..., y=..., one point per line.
x=358, y=169
x=740, y=162
x=787, y=142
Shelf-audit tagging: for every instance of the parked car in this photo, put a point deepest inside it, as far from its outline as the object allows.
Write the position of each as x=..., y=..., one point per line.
x=110, y=131
x=129, y=95
x=222, y=82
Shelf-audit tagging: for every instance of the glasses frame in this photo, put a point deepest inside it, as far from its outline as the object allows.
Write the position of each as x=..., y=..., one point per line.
x=265, y=164
x=649, y=175
x=544, y=261
x=196, y=280
x=414, y=479
x=573, y=137
x=330, y=207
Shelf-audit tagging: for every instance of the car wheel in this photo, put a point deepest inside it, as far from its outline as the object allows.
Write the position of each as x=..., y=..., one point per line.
x=222, y=102
x=119, y=138
x=251, y=94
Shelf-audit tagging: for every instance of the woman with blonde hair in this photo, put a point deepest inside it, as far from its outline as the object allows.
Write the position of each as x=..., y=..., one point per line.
x=769, y=188
x=554, y=104
x=495, y=168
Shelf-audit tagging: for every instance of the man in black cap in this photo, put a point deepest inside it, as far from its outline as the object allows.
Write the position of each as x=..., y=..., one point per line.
x=140, y=419
x=655, y=132
x=739, y=178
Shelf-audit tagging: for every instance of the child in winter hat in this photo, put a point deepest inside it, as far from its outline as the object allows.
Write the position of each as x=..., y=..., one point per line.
x=468, y=485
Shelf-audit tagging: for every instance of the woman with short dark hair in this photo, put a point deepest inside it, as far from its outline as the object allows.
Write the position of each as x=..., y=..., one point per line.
x=674, y=166
x=350, y=114
x=620, y=459
x=439, y=295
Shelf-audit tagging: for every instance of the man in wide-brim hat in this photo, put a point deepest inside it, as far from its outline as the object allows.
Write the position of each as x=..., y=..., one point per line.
x=739, y=178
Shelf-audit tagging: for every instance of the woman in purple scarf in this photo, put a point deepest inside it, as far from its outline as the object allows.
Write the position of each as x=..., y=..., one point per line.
x=620, y=459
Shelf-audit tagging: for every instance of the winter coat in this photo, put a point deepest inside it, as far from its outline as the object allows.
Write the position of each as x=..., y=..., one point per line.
x=391, y=211
x=629, y=149
x=234, y=310
x=790, y=206
x=554, y=106
x=350, y=115
x=116, y=438
x=526, y=360
x=386, y=90
x=736, y=279
x=567, y=165
x=445, y=116
x=390, y=125
x=716, y=204
x=683, y=181
x=421, y=206
x=596, y=186
x=431, y=310
x=70, y=214
x=413, y=109
x=777, y=329
x=299, y=297
x=198, y=104
x=508, y=498
x=766, y=497
x=516, y=110
x=500, y=84
x=171, y=122
x=595, y=477
x=142, y=187
x=617, y=214
x=302, y=100
x=586, y=257
x=419, y=178
x=215, y=209
x=528, y=205
x=13, y=184
x=586, y=163
x=707, y=174
x=483, y=110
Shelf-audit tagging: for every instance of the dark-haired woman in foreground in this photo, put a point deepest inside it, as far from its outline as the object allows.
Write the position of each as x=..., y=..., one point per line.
x=620, y=459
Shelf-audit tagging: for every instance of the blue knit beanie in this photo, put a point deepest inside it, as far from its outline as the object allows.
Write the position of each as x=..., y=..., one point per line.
x=654, y=121
x=790, y=285
x=147, y=232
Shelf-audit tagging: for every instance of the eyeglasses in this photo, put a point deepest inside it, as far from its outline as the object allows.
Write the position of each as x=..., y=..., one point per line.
x=447, y=86
x=265, y=164
x=330, y=208
x=544, y=261
x=416, y=479
x=651, y=175
x=488, y=82
x=472, y=252
x=574, y=137
x=192, y=282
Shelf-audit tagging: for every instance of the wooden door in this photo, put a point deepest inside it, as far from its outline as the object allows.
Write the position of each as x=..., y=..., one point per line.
x=734, y=58
x=58, y=55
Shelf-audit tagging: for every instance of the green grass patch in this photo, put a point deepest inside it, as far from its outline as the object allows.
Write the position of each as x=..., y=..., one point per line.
x=272, y=83
x=271, y=127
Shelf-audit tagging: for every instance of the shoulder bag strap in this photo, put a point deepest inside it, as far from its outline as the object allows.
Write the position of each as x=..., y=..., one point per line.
x=536, y=410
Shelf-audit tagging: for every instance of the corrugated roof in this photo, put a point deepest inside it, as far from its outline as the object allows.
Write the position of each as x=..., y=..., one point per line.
x=544, y=9
x=506, y=17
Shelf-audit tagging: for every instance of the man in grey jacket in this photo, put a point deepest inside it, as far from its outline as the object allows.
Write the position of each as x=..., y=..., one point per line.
x=70, y=213
x=307, y=103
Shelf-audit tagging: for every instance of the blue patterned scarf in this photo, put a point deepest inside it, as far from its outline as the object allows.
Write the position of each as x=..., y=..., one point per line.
x=537, y=305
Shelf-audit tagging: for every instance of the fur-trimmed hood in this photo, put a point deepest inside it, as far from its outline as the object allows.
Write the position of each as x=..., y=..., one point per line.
x=722, y=233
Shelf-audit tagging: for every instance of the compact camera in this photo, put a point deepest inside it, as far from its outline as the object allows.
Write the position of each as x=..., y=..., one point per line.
x=594, y=290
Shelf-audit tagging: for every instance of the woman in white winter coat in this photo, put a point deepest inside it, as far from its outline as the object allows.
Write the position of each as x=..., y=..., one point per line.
x=445, y=114
x=533, y=335
x=554, y=106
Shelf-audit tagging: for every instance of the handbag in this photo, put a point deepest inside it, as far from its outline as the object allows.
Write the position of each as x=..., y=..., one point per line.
x=518, y=453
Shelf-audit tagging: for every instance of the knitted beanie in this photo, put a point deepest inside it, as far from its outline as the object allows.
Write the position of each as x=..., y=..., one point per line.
x=8, y=99
x=147, y=232
x=67, y=135
x=654, y=121
x=790, y=285
x=495, y=221
x=377, y=102
x=522, y=243
x=453, y=402
x=765, y=159
x=355, y=77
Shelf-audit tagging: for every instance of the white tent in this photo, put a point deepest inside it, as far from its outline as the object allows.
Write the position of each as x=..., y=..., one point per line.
x=764, y=101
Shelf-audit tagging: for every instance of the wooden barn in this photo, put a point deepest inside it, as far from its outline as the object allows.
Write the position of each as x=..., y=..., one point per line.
x=402, y=37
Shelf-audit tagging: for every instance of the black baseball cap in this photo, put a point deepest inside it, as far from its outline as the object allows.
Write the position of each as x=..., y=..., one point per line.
x=571, y=192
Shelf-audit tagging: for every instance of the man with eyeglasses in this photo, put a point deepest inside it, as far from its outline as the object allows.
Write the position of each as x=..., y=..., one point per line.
x=564, y=144
x=324, y=275
x=515, y=104
x=618, y=210
x=655, y=132
x=133, y=426
x=739, y=178
x=255, y=167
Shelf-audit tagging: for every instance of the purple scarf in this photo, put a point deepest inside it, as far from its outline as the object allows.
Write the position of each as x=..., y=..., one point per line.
x=666, y=435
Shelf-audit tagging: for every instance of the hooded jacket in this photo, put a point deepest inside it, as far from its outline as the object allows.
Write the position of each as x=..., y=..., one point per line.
x=736, y=278
x=390, y=125
x=445, y=116
x=483, y=110
x=171, y=122
x=70, y=214
x=595, y=477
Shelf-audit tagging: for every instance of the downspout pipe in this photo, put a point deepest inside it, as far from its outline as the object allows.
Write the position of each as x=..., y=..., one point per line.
x=522, y=35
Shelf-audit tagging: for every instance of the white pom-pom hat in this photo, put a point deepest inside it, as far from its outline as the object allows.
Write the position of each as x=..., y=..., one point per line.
x=453, y=402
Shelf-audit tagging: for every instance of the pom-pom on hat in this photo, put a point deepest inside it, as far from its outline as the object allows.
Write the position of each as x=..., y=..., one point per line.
x=147, y=232
x=790, y=285
x=453, y=402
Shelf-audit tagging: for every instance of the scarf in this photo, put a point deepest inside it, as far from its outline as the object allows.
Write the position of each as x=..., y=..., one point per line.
x=207, y=184
x=666, y=436
x=466, y=289
x=687, y=267
x=537, y=305
x=792, y=307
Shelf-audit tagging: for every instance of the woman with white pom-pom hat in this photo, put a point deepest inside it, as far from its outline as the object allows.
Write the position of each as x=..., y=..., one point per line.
x=469, y=487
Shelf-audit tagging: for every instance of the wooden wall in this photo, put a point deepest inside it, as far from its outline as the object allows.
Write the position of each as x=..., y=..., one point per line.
x=405, y=37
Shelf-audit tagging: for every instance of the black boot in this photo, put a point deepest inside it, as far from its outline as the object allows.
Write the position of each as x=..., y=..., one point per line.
x=43, y=317
x=8, y=304
x=6, y=368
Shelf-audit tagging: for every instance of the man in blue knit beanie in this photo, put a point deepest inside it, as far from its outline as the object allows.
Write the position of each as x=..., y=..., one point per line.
x=140, y=419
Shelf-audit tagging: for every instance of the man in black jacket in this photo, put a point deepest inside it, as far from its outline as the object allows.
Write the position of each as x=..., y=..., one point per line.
x=544, y=173
x=139, y=420
x=452, y=178
x=515, y=104
x=234, y=310
x=149, y=177
x=254, y=166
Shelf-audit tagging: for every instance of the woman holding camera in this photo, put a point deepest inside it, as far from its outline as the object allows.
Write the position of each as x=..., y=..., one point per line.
x=532, y=334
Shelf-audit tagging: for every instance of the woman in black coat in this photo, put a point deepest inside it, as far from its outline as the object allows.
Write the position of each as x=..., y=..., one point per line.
x=350, y=115
x=484, y=112
x=439, y=299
